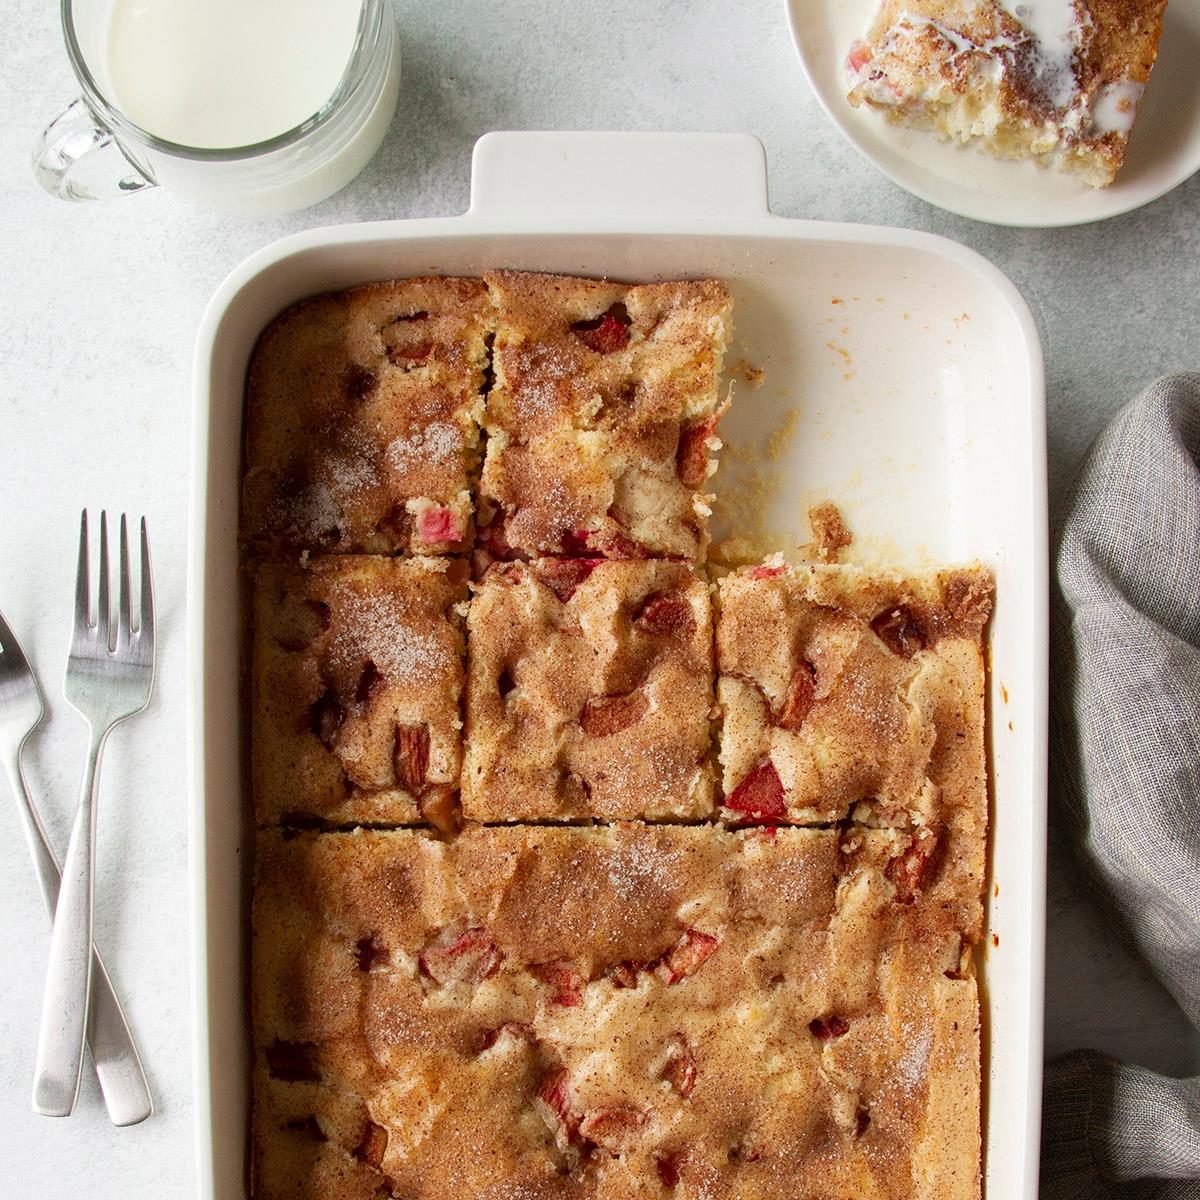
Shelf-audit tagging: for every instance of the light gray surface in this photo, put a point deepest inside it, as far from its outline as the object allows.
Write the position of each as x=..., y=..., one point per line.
x=98, y=305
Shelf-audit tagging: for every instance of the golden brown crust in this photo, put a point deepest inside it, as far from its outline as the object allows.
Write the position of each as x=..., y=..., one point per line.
x=977, y=72
x=602, y=420
x=589, y=690
x=362, y=420
x=712, y=1013
x=357, y=675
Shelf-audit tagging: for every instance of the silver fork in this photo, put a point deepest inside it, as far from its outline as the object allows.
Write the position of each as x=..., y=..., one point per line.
x=118, y=1067
x=110, y=673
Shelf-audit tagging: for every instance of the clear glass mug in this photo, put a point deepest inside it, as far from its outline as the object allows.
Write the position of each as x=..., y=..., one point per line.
x=92, y=150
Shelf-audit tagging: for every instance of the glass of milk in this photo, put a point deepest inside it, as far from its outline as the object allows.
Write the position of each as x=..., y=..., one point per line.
x=246, y=106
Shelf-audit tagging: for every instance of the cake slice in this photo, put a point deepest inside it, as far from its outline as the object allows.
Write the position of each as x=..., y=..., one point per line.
x=1056, y=81
x=602, y=421
x=851, y=694
x=355, y=688
x=589, y=692
x=608, y=1012
x=362, y=421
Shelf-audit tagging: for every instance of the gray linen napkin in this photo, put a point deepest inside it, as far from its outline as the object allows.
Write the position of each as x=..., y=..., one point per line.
x=1125, y=762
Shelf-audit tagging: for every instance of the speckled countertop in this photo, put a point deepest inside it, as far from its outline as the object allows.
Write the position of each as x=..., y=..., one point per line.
x=98, y=308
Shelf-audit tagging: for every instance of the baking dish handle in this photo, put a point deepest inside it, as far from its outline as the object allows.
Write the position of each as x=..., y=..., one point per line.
x=618, y=175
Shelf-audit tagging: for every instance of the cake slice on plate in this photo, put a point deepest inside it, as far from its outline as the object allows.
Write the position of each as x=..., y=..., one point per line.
x=1056, y=81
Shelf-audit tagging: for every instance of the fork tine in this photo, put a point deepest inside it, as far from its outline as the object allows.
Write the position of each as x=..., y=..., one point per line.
x=124, y=619
x=83, y=603
x=104, y=611
x=146, y=616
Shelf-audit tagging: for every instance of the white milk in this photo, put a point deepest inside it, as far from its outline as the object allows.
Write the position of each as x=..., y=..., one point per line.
x=226, y=73
x=1055, y=25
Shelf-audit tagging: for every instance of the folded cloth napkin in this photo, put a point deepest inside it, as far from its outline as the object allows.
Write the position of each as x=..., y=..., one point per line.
x=1125, y=761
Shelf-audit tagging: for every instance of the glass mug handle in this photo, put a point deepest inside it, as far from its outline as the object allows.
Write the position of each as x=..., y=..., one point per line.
x=77, y=157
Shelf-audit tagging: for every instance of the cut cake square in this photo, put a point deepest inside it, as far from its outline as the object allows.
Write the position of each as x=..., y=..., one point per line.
x=356, y=687
x=589, y=692
x=852, y=694
x=362, y=420
x=602, y=420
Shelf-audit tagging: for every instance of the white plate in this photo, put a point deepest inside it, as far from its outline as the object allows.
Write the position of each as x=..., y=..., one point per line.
x=1163, y=151
x=909, y=373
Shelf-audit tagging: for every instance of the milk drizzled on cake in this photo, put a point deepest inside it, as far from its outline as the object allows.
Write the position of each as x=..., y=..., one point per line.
x=1056, y=81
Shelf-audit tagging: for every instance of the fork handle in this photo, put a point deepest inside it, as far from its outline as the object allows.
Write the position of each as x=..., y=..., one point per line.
x=68, y=975
x=118, y=1067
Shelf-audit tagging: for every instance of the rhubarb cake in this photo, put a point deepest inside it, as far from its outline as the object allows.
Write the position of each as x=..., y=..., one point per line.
x=565, y=887
x=356, y=686
x=362, y=421
x=1056, y=81
x=851, y=694
x=613, y=1011
x=602, y=419
x=589, y=692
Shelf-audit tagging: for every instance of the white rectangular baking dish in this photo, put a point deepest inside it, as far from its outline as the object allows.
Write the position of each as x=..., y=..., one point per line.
x=913, y=370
